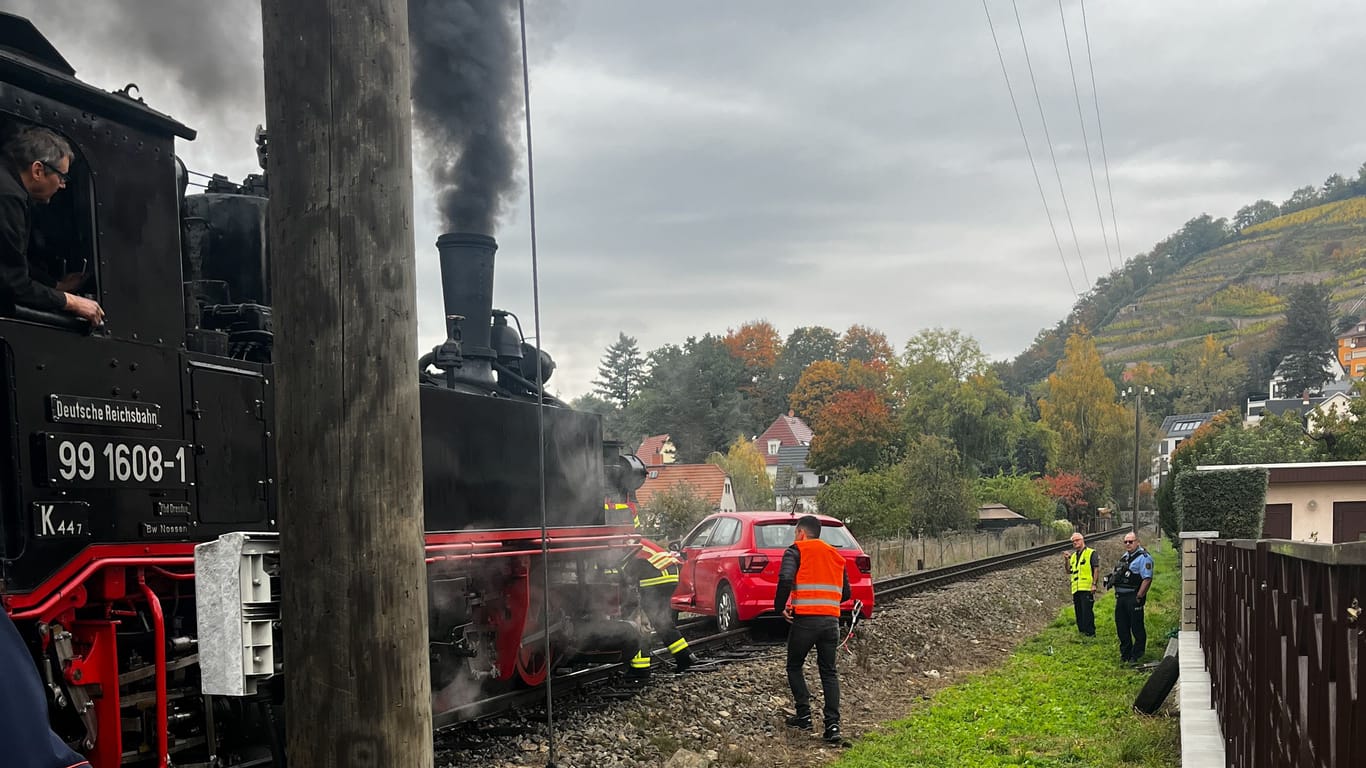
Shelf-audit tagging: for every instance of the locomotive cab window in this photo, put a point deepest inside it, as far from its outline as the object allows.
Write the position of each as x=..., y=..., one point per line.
x=47, y=265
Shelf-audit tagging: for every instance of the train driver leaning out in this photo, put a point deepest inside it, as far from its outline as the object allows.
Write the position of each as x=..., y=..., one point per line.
x=38, y=161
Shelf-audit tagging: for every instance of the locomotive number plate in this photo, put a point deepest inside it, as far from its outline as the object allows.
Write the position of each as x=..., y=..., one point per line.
x=61, y=519
x=95, y=461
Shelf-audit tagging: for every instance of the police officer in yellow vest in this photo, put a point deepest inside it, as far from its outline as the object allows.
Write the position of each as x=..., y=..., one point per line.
x=653, y=570
x=813, y=574
x=1082, y=569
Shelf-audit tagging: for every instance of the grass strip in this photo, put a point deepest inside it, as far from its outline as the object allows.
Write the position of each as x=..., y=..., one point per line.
x=1059, y=700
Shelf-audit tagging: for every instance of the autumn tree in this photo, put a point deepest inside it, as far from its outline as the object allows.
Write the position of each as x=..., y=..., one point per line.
x=1207, y=377
x=855, y=429
x=758, y=346
x=1082, y=410
x=749, y=479
x=1306, y=341
x=863, y=343
x=621, y=372
x=938, y=495
x=1078, y=495
x=817, y=386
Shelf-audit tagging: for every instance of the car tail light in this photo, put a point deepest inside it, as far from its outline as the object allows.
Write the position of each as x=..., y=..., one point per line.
x=753, y=563
x=864, y=563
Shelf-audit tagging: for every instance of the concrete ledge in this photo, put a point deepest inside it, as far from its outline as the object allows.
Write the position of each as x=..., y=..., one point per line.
x=1202, y=742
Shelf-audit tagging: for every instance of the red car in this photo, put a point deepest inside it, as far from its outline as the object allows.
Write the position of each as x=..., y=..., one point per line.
x=731, y=562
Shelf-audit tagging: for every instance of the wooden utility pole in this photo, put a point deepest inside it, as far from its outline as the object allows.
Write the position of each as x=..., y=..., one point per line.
x=354, y=597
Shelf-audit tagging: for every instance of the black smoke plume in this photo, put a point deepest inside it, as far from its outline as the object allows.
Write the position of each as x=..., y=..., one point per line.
x=466, y=68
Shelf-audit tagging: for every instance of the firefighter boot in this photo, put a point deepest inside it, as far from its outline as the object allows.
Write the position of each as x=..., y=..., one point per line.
x=683, y=660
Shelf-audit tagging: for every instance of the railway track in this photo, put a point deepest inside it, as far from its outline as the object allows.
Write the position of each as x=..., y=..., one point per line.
x=716, y=645
x=936, y=577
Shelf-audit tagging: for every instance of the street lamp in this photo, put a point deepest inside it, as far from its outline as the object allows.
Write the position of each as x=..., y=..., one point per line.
x=1137, y=393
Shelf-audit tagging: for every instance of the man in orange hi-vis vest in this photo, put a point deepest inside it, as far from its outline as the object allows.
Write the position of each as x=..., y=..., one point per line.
x=813, y=575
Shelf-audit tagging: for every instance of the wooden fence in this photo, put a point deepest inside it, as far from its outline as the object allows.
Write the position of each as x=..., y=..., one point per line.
x=1281, y=626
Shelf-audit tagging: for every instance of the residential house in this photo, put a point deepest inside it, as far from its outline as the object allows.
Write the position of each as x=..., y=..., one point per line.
x=706, y=480
x=1278, y=386
x=657, y=450
x=785, y=431
x=1352, y=351
x=1335, y=397
x=1323, y=501
x=796, y=486
x=1175, y=429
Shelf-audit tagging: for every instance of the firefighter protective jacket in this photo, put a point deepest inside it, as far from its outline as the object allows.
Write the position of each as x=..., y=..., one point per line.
x=1079, y=566
x=651, y=565
x=813, y=574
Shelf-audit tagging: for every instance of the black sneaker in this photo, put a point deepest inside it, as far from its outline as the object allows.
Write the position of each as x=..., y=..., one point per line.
x=799, y=721
x=832, y=734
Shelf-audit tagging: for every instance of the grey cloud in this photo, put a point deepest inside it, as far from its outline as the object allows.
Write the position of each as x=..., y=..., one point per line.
x=699, y=165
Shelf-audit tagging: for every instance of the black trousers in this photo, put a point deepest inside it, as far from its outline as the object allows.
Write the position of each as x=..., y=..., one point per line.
x=655, y=602
x=1085, y=603
x=823, y=632
x=1133, y=636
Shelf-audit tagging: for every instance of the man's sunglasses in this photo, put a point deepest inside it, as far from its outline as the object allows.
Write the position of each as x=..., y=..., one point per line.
x=1130, y=541
x=66, y=179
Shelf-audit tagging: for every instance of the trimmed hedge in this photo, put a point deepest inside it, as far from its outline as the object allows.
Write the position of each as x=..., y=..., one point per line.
x=1230, y=501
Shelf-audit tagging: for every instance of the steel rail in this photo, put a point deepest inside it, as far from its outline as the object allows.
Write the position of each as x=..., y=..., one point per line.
x=937, y=577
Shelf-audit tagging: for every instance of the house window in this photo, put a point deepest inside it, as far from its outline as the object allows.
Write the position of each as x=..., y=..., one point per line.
x=773, y=446
x=654, y=474
x=801, y=480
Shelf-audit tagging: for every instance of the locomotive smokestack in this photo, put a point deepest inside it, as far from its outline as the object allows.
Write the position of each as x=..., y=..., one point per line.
x=467, y=288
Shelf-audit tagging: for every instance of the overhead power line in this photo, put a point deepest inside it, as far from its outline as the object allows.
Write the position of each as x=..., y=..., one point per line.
x=1032, y=166
x=1109, y=192
x=1049, y=141
x=1081, y=118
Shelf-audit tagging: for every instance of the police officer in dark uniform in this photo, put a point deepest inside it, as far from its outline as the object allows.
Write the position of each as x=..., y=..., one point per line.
x=1132, y=576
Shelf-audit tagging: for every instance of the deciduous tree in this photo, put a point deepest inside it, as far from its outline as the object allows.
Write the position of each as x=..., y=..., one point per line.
x=938, y=495
x=673, y=512
x=749, y=479
x=818, y=384
x=872, y=504
x=1207, y=377
x=853, y=430
x=1081, y=409
x=863, y=343
x=692, y=393
x=758, y=346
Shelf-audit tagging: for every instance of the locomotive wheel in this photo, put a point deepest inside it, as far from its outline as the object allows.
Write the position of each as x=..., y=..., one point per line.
x=532, y=663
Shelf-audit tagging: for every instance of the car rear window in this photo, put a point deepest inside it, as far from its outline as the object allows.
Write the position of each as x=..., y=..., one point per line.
x=779, y=535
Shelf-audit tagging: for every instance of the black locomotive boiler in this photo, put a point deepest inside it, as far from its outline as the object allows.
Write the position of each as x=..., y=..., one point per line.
x=138, y=550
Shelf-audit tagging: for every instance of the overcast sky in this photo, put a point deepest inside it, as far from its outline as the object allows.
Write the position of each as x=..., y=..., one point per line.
x=818, y=163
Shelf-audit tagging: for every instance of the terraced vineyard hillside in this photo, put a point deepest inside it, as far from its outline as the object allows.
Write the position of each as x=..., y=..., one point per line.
x=1235, y=291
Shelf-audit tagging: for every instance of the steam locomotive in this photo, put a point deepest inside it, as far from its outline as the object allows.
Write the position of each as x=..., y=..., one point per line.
x=138, y=546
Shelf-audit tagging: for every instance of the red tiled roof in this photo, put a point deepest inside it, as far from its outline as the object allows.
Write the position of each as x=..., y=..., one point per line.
x=707, y=481
x=788, y=430
x=649, y=450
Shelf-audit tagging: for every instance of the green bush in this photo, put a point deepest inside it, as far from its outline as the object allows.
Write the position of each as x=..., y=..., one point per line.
x=1230, y=501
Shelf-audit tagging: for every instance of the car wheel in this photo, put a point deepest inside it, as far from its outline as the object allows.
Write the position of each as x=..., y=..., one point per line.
x=727, y=612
